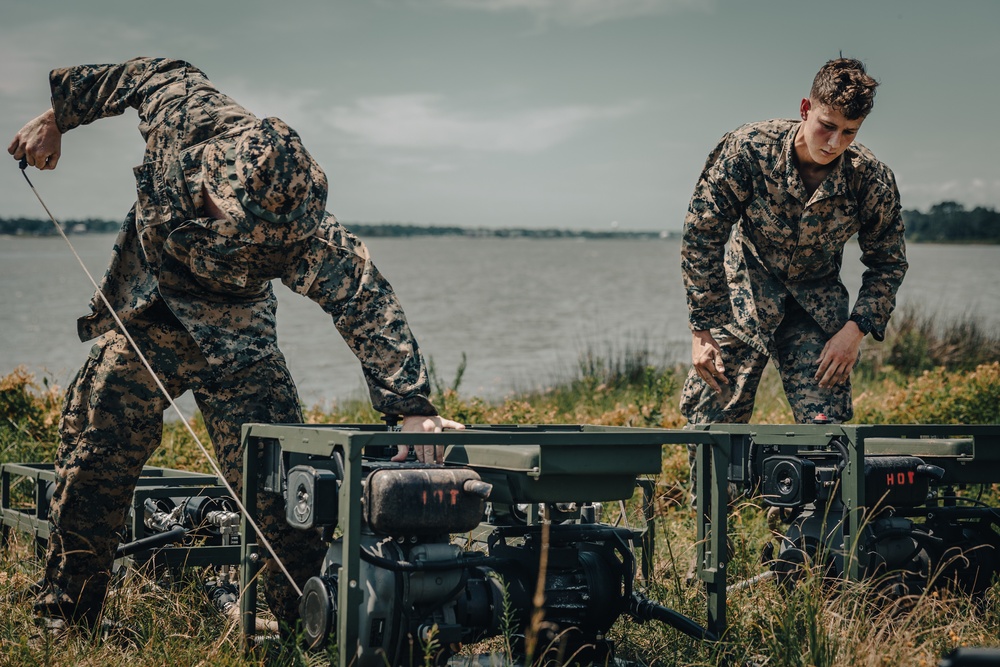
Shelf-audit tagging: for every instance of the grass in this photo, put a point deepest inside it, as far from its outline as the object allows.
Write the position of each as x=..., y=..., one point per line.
x=925, y=372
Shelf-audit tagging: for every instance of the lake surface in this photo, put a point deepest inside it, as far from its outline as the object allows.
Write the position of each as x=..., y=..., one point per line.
x=521, y=310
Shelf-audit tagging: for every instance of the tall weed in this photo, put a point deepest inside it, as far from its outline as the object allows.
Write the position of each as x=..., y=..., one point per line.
x=917, y=341
x=29, y=417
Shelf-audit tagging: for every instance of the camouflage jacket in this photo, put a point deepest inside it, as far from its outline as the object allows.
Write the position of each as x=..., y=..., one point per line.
x=750, y=212
x=217, y=285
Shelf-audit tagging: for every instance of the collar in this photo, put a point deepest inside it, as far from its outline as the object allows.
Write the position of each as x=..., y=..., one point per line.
x=785, y=171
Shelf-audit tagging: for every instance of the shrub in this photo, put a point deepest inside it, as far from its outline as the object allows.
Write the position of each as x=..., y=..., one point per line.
x=935, y=397
x=29, y=417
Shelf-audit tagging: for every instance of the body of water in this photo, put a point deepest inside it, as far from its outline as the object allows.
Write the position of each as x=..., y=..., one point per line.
x=521, y=310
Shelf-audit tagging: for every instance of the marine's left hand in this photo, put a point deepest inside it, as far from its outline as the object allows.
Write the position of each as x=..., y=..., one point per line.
x=424, y=424
x=839, y=355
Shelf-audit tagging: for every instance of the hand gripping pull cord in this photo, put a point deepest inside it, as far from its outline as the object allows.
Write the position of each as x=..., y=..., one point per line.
x=211, y=462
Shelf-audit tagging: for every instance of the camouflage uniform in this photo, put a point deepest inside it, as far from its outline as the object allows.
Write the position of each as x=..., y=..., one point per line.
x=195, y=292
x=781, y=295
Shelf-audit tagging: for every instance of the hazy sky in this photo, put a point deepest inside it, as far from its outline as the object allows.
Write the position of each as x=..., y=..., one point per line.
x=534, y=113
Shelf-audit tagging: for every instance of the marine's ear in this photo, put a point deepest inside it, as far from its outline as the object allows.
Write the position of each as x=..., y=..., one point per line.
x=804, y=107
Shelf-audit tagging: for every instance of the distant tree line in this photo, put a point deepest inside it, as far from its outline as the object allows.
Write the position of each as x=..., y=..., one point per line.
x=947, y=222
x=368, y=230
x=40, y=227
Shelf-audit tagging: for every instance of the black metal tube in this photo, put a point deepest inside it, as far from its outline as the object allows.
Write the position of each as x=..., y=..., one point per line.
x=152, y=542
x=646, y=610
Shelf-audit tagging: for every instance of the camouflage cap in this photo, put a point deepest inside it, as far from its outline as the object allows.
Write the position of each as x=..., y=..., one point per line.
x=267, y=183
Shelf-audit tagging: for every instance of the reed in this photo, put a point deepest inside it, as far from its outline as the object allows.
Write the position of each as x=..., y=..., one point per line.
x=917, y=341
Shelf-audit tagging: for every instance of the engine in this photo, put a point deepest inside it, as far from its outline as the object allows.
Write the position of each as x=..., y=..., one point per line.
x=917, y=534
x=425, y=591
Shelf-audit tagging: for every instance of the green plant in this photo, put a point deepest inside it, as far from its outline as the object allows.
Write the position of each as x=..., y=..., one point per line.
x=29, y=415
x=935, y=397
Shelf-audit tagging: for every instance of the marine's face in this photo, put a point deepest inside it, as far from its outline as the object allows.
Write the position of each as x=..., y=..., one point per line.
x=825, y=134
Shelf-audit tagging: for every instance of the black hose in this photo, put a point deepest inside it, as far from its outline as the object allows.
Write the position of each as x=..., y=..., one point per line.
x=646, y=610
x=845, y=459
x=845, y=456
x=175, y=534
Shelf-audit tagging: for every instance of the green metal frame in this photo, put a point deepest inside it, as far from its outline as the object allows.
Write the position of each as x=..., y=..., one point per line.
x=968, y=454
x=154, y=482
x=565, y=451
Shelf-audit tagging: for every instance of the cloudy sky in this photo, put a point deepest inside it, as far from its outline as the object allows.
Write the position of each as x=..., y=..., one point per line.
x=534, y=113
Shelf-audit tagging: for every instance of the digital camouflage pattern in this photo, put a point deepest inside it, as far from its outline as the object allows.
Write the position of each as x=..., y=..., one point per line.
x=782, y=251
x=212, y=276
x=267, y=184
x=196, y=295
x=112, y=423
x=798, y=342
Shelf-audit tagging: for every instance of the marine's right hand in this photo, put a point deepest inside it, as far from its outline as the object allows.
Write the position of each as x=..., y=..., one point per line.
x=425, y=424
x=706, y=356
x=39, y=142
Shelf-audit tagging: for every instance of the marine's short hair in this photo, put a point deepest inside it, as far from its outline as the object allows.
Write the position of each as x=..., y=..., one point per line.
x=844, y=84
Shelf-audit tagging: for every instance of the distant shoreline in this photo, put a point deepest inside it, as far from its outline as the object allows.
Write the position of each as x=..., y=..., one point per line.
x=948, y=222
x=24, y=227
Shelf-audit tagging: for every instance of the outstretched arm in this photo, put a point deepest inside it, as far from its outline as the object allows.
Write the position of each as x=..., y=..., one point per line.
x=335, y=271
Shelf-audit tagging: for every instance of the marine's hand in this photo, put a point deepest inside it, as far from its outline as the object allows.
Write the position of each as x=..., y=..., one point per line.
x=839, y=355
x=423, y=424
x=39, y=142
x=706, y=356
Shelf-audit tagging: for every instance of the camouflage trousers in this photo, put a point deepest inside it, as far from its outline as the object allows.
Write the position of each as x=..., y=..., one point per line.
x=112, y=423
x=798, y=342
